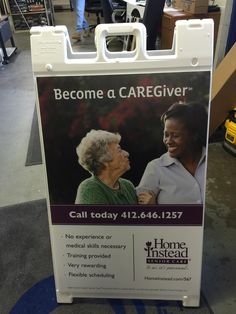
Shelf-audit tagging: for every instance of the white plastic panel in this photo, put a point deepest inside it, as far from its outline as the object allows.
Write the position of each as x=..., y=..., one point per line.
x=52, y=52
x=118, y=254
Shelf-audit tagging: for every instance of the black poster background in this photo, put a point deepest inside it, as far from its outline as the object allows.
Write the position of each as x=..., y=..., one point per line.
x=137, y=119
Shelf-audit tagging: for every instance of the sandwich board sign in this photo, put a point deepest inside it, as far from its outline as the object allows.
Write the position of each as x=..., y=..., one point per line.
x=127, y=249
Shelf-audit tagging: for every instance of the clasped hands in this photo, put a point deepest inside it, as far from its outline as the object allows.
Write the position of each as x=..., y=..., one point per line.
x=147, y=197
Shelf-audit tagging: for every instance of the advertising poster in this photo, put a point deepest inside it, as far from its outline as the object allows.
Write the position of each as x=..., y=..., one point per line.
x=142, y=236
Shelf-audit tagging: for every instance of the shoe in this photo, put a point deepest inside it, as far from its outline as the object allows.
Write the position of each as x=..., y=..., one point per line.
x=86, y=33
x=77, y=36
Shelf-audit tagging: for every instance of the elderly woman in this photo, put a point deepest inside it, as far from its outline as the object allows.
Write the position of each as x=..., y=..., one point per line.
x=178, y=176
x=100, y=153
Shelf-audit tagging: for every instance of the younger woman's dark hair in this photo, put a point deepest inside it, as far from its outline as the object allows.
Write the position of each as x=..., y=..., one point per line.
x=194, y=116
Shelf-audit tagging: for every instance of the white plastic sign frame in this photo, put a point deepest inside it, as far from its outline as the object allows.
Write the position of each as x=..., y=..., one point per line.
x=123, y=251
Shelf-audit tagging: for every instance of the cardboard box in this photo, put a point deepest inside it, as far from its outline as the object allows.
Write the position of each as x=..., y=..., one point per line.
x=177, y=4
x=223, y=95
x=195, y=6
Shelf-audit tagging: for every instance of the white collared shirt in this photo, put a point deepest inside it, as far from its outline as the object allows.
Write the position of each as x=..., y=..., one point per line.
x=172, y=183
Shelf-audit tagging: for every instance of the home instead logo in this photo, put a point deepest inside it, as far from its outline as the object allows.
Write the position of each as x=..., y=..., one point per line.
x=163, y=252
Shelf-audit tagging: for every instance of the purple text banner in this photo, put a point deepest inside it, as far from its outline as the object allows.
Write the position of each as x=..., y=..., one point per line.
x=183, y=215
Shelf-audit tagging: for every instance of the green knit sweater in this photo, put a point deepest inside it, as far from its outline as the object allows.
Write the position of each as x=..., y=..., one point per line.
x=94, y=191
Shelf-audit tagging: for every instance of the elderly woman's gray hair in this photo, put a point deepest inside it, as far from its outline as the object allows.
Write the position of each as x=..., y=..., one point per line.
x=93, y=150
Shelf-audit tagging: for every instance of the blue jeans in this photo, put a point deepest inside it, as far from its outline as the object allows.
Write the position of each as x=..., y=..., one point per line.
x=81, y=22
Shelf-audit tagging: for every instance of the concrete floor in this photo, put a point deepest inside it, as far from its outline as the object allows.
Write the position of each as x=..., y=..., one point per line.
x=17, y=107
x=19, y=184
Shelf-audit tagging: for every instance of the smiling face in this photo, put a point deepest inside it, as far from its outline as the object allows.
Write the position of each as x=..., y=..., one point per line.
x=176, y=138
x=120, y=159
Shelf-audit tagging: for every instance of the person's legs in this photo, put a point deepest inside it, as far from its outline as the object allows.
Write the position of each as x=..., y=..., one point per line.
x=81, y=23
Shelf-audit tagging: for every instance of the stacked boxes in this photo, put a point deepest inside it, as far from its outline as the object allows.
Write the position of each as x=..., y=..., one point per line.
x=177, y=4
x=191, y=6
x=195, y=6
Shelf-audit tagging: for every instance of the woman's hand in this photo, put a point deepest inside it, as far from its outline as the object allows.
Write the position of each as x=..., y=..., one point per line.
x=148, y=197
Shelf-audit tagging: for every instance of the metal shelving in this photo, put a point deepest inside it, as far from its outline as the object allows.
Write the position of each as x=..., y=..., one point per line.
x=27, y=13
